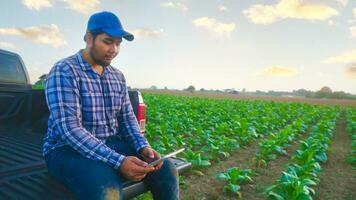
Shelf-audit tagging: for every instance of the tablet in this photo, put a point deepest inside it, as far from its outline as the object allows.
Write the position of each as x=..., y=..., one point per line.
x=165, y=157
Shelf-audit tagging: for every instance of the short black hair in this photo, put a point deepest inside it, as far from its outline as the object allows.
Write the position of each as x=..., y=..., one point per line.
x=95, y=33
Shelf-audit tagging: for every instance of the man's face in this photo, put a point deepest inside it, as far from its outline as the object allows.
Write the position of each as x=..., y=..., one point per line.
x=104, y=49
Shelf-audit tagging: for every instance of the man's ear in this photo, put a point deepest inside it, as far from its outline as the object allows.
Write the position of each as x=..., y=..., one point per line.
x=88, y=37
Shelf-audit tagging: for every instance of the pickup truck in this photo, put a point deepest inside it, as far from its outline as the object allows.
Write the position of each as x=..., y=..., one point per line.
x=23, y=125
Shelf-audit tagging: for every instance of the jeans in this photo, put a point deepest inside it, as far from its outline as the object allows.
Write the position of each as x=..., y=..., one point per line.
x=90, y=179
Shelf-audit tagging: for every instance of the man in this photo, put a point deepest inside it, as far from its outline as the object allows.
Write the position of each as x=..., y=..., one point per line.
x=89, y=103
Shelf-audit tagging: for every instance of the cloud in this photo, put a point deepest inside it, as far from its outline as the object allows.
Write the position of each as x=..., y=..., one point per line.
x=342, y=2
x=37, y=4
x=295, y=9
x=222, y=8
x=331, y=23
x=352, y=20
x=50, y=35
x=83, y=6
x=320, y=74
x=218, y=28
x=353, y=31
x=146, y=32
x=351, y=71
x=278, y=71
x=181, y=7
x=346, y=57
x=7, y=45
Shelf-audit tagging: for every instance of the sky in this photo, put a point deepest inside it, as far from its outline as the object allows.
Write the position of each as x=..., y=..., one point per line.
x=280, y=45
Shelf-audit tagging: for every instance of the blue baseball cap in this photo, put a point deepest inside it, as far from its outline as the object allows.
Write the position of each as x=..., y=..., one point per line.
x=108, y=23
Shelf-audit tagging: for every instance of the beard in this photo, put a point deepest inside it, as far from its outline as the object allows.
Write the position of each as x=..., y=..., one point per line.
x=94, y=55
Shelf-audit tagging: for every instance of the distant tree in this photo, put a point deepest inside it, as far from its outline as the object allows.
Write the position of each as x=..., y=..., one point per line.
x=338, y=95
x=165, y=88
x=243, y=90
x=309, y=95
x=326, y=89
x=191, y=88
x=301, y=92
x=202, y=89
x=259, y=92
x=153, y=87
x=324, y=92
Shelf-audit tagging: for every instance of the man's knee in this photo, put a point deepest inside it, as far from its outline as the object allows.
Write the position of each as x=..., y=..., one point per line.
x=168, y=172
x=163, y=183
x=171, y=168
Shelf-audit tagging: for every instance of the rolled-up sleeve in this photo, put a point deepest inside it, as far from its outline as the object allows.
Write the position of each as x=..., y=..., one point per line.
x=63, y=99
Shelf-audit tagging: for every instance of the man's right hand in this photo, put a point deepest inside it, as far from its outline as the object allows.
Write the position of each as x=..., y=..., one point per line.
x=134, y=169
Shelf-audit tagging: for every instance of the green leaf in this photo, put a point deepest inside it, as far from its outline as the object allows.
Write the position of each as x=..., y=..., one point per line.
x=287, y=177
x=308, y=182
x=205, y=163
x=275, y=196
x=304, y=196
x=321, y=157
x=234, y=188
x=222, y=177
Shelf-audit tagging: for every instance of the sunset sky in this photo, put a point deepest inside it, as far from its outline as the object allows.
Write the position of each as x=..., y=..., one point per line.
x=279, y=45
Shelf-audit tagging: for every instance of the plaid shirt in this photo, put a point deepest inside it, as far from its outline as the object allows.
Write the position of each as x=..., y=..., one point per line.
x=86, y=108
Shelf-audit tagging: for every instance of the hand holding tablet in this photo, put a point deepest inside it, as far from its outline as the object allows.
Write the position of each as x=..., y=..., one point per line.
x=165, y=157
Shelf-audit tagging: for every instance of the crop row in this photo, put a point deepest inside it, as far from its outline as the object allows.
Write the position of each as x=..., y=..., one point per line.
x=268, y=149
x=276, y=143
x=297, y=181
x=350, y=114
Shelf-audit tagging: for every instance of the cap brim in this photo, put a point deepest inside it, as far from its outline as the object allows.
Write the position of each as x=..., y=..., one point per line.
x=120, y=33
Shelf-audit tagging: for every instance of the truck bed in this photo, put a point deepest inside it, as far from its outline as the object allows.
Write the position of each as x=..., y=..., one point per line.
x=24, y=174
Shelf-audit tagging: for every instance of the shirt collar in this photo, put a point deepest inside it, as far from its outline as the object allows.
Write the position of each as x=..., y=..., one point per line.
x=82, y=63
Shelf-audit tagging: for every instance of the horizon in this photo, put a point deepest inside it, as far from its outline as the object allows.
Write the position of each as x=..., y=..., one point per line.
x=238, y=90
x=282, y=45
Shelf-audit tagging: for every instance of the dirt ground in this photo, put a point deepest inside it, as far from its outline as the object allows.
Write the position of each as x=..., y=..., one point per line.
x=341, y=102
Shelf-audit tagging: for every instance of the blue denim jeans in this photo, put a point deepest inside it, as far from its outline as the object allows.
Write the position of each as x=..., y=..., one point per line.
x=89, y=179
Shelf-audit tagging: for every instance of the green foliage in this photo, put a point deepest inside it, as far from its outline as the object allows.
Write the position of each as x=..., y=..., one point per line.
x=296, y=182
x=275, y=143
x=38, y=87
x=234, y=177
x=213, y=128
x=350, y=114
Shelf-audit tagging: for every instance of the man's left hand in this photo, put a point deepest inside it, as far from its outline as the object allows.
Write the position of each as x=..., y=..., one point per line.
x=150, y=155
